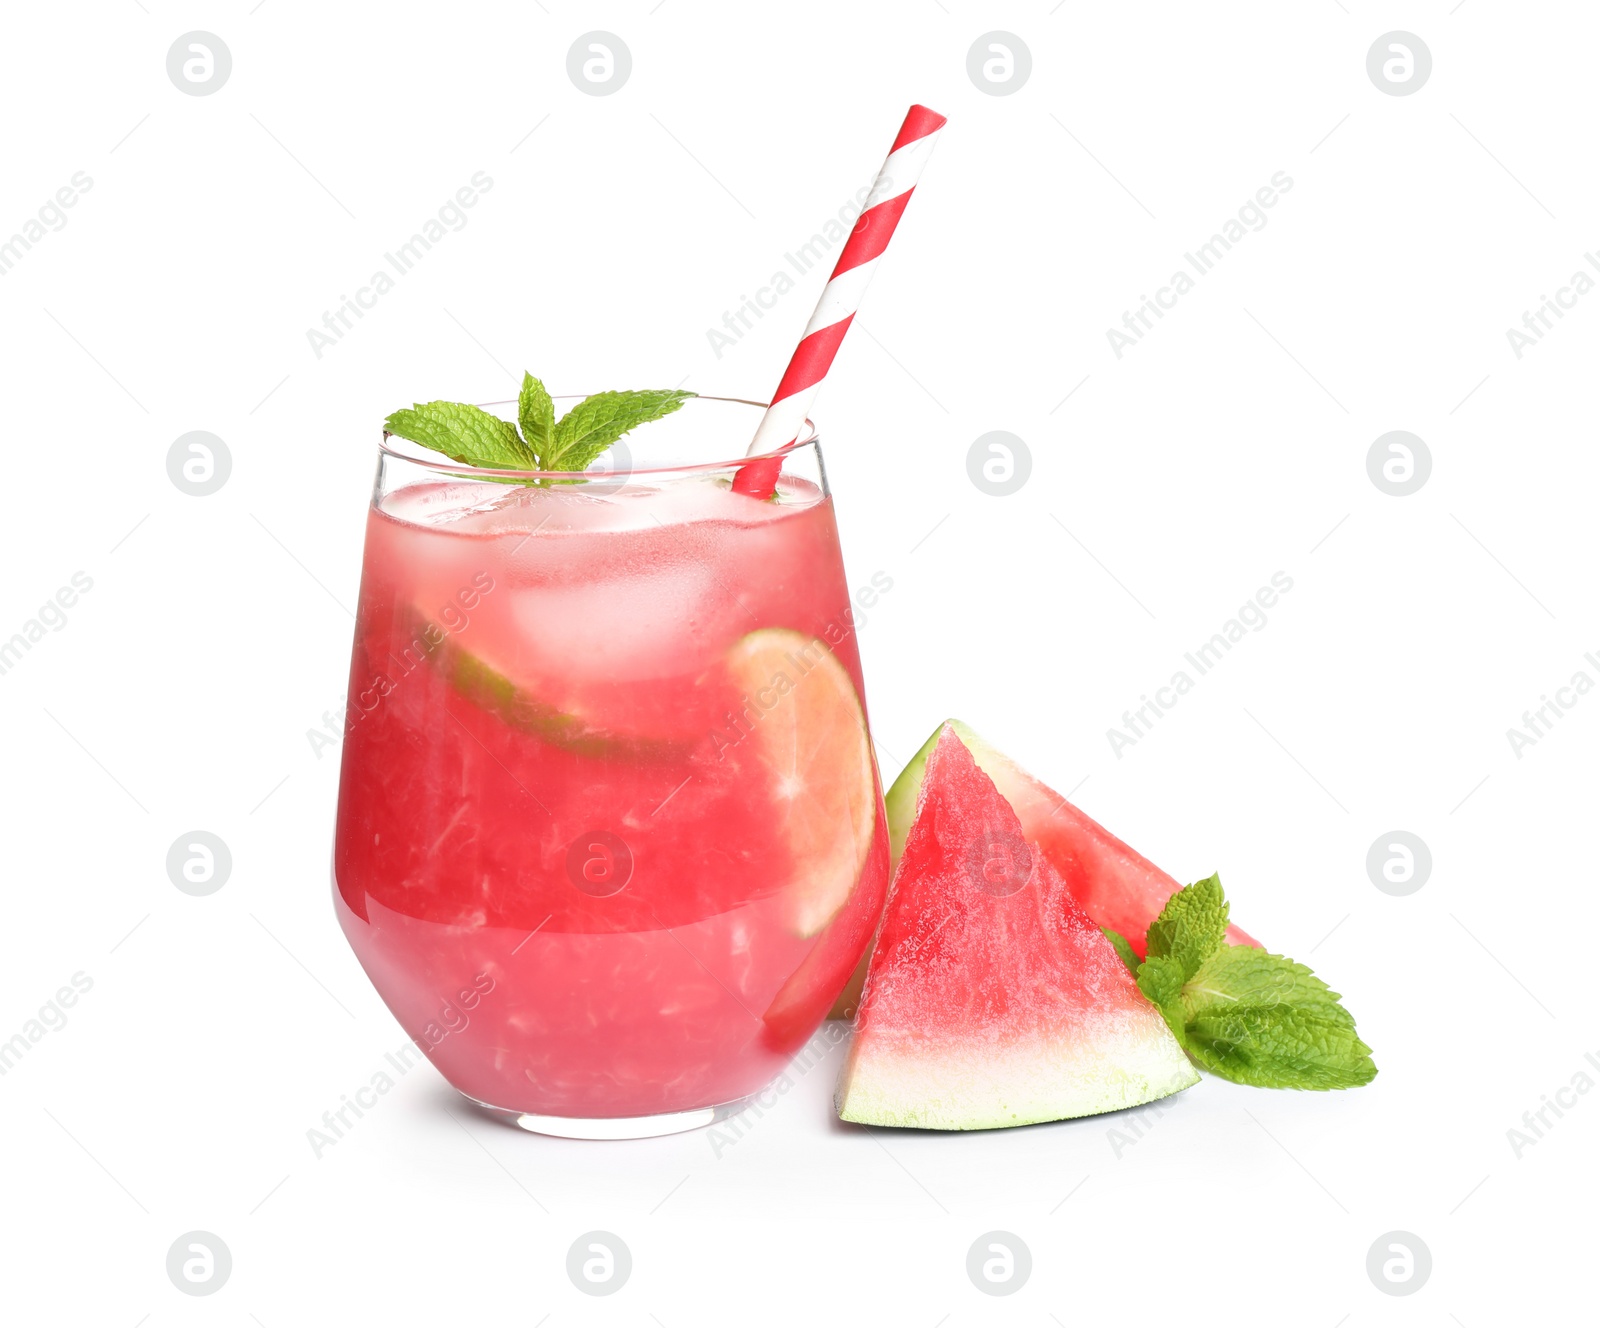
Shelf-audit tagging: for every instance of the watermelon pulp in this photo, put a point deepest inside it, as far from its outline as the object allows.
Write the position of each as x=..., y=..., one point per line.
x=992, y=999
x=1116, y=886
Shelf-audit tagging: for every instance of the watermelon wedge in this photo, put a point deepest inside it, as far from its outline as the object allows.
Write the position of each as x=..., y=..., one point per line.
x=992, y=999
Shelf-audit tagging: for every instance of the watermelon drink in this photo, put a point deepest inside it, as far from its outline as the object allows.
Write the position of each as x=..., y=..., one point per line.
x=610, y=834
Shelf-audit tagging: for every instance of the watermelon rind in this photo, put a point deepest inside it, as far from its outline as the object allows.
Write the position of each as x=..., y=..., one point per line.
x=928, y=1084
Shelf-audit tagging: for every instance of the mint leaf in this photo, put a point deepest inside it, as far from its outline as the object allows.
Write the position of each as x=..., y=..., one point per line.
x=1261, y=1019
x=1160, y=978
x=463, y=433
x=596, y=422
x=1192, y=926
x=536, y=413
x=1244, y=975
x=1119, y=943
x=1246, y=1015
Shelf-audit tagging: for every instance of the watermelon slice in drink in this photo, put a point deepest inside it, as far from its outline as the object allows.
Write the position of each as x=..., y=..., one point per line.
x=992, y=999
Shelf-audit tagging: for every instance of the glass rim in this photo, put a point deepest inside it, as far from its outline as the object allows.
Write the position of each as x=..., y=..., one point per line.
x=461, y=470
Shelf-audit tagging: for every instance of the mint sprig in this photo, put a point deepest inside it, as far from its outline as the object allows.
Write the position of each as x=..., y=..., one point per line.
x=1242, y=1013
x=474, y=437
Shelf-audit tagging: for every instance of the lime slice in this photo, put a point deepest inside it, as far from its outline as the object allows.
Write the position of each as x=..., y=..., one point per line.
x=489, y=689
x=587, y=722
x=810, y=737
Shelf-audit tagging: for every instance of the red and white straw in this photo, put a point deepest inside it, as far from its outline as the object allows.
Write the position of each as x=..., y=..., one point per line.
x=841, y=297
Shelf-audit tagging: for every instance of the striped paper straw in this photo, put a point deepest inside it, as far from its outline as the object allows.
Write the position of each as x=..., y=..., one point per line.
x=841, y=297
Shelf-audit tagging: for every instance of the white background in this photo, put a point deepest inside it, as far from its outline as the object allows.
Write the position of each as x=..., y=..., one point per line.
x=1167, y=486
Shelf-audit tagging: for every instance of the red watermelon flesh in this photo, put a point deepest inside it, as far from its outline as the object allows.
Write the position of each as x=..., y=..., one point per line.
x=1113, y=884
x=992, y=998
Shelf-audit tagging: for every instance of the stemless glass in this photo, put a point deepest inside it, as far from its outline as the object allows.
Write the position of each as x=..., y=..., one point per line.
x=610, y=835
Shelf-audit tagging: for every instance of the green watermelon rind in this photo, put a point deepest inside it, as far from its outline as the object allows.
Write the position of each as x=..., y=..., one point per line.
x=1131, y=1062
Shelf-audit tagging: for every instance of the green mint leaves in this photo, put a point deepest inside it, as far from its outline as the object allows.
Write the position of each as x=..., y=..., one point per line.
x=1124, y=950
x=596, y=422
x=463, y=433
x=1258, y=1018
x=536, y=414
x=476, y=438
x=1161, y=980
x=1242, y=1013
x=1191, y=926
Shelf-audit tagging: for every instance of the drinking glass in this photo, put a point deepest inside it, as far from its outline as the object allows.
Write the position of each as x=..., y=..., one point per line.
x=610, y=833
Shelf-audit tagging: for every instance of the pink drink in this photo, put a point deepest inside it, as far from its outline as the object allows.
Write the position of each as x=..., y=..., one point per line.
x=610, y=836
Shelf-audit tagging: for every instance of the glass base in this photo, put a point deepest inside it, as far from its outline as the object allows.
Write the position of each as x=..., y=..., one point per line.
x=616, y=1127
